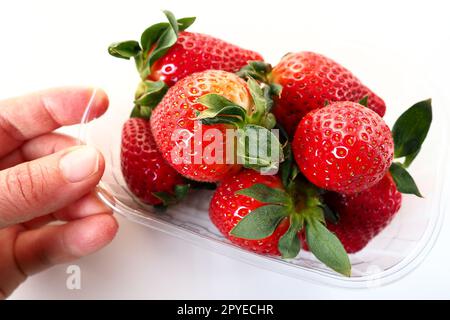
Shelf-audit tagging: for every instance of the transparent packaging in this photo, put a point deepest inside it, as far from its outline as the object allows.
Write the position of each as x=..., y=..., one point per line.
x=388, y=257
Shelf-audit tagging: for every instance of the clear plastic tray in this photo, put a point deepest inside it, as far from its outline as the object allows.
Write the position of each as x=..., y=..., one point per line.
x=390, y=256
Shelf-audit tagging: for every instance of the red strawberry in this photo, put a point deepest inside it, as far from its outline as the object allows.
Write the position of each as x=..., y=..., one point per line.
x=308, y=81
x=364, y=215
x=257, y=213
x=166, y=54
x=195, y=52
x=183, y=123
x=228, y=208
x=344, y=147
x=146, y=173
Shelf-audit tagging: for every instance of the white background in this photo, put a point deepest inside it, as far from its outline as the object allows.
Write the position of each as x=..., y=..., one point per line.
x=53, y=43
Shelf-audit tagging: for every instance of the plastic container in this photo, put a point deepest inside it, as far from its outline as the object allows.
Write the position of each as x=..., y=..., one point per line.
x=390, y=256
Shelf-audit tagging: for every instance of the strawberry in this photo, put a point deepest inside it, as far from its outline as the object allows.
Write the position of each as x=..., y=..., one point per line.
x=195, y=52
x=308, y=81
x=148, y=176
x=228, y=208
x=191, y=122
x=344, y=147
x=364, y=215
x=166, y=54
x=259, y=213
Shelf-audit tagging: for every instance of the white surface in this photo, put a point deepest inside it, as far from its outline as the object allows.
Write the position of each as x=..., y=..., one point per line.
x=52, y=43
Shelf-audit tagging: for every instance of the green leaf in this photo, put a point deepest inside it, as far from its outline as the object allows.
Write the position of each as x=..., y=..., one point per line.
x=269, y=121
x=156, y=40
x=276, y=89
x=264, y=193
x=258, y=99
x=168, y=199
x=232, y=110
x=261, y=99
x=260, y=223
x=233, y=121
x=162, y=36
x=259, y=148
x=150, y=93
x=260, y=66
x=364, y=101
x=173, y=22
x=410, y=158
x=185, y=23
x=411, y=129
x=125, y=49
x=289, y=244
x=327, y=248
x=165, y=42
x=287, y=165
x=197, y=185
x=181, y=190
x=218, y=105
x=258, y=70
x=403, y=180
x=151, y=35
x=314, y=212
x=142, y=112
x=329, y=214
x=215, y=101
x=326, y=103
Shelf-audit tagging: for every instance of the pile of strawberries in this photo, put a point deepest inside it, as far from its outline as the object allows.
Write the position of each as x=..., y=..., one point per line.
x=333, y=185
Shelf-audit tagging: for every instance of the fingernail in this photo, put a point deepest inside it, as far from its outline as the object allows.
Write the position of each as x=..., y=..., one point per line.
x=79, y=164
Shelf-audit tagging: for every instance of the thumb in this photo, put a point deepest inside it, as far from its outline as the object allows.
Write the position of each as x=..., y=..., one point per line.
x=47, y=184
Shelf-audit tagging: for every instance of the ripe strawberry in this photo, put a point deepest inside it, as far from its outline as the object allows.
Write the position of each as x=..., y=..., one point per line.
x=148, y=176
x=166, y=54
x=195, y=52
x=228, y=208
x=364, y=215
x=183, y=123
x=344, y=147
x=310, y=80
x=257, y=213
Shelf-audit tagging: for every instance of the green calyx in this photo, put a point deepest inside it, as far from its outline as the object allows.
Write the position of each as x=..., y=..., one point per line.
x=167, y=199
x=155, y=41
x=180, y=191
x=261, y=72
x=364, y=101
x=409, y=133
x=301, y=205
x=258, y=70
x=148, y=95
x=221, y=110
x=258, y=146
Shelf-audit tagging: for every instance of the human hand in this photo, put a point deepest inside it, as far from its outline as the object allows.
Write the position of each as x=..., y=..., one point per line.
x=44, y=177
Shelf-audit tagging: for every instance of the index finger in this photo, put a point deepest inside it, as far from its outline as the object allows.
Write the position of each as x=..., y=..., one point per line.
x=26, y=117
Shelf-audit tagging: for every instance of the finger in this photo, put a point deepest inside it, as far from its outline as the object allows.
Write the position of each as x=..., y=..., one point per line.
x=26, y=117
x=37, y=148
x=45, y=185
x=38, y=222
x=88, y=205
x=10, y=274
x=42, y=248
